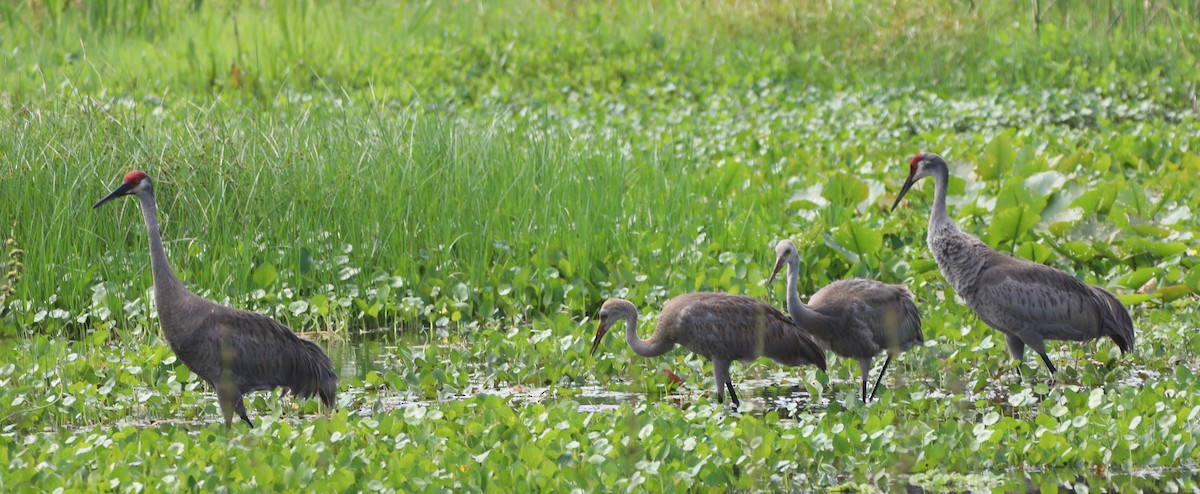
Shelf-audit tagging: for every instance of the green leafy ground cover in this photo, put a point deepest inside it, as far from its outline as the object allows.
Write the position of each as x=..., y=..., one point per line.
x=446, y=193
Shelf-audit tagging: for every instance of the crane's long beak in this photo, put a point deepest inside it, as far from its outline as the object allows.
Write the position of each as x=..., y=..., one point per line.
x=123, y=189
x=778, y=265
x=904, y=190
x=600, y=330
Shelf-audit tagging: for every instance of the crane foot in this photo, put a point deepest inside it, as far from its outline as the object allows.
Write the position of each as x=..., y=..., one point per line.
x=732, y=395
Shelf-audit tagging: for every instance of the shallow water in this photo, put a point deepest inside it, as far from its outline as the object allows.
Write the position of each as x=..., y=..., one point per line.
x=781, y=391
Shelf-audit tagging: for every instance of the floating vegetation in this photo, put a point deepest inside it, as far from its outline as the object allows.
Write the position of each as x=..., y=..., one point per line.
x=443, y=195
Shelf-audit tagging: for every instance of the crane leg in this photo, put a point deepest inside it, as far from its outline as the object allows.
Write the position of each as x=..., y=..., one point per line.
x=864, y=368
x=881, y=373
x=230, y=399
x=1047, y=361
x=733, y=395
x=1033, y=339
x=721, y=375
x=240, y=406
x=226, y=396
x=227, y=413
x=1016, y=348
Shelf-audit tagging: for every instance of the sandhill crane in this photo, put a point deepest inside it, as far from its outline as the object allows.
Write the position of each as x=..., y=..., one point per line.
x=855, y=318
x=719, y=327
x=1026, y=301
x=236, y=351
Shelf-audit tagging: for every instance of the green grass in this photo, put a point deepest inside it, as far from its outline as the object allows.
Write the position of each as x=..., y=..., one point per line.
x=467, y=182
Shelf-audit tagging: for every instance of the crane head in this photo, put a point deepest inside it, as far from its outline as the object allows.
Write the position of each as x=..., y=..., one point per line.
x=613, y=310
x=601, y=329
x=785, y=251
x=134, y=182
x=916, y=171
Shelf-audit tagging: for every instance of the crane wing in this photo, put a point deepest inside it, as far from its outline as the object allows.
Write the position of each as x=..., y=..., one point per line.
x=745, y=328
x=1014, y=293
x=264, y=354
x=887, y=312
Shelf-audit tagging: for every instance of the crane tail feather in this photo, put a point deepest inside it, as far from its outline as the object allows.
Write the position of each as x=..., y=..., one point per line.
x=313, y=374
x=1118, y=325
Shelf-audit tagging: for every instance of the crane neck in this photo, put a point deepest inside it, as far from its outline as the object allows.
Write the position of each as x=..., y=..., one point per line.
x=656, y=345
x=804, y=317
x=941, y=183
x=165, y=281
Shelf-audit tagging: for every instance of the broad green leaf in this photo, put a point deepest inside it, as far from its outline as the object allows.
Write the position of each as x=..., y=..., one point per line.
x=997, y=158
x=1016, y=194
x=808, y=198
x=1011, y=224
x=1063, y=221
x=1192, y=278
x=859, y=238
x=1131, y=299
x=991, y=418
x=1045, y=420
x=1149, y=230
x=460, y=292
x=845, y=190
x=1190, y=162
x=1174, y=292
x=837, y=246
x=1157, y=249
x=1044, y=183
x=1174, y=215
x=1035, y=252
x=1071, y=161
x=1098, y=200
x=298, y=308
x=264, y=275
x=321, y=302
x=924, y=265
x=1139, y=277
x=1078, y=251
x=1167, y=249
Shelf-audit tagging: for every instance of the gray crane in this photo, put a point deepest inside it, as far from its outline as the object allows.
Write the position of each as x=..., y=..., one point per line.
x=856, y=318
x=719, y=327
x=1027, y=301
x=236, y=351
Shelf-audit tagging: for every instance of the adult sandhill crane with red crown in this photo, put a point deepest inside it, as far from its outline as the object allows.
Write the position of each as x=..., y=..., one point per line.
x=236, y=351
x=1027, y=301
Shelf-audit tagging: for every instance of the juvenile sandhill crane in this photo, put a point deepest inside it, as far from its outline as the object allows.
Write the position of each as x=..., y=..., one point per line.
x=855, y=318
x=1026, y=301
x=236, y=351
x=719, y=327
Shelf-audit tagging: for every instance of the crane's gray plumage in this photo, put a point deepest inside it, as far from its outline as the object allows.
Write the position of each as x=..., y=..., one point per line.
x=236, y=351
x=719, y=327
x=855, y=318
x=1027, y=301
